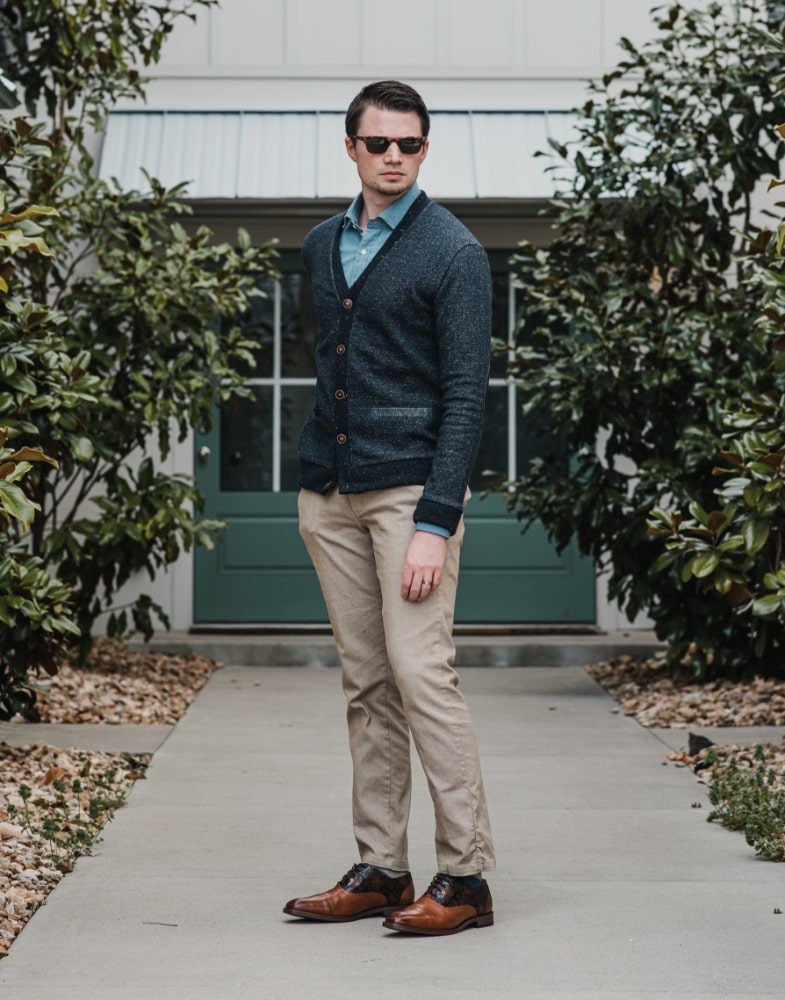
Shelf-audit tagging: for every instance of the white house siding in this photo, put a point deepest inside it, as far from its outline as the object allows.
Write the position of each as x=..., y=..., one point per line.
x=307, y=55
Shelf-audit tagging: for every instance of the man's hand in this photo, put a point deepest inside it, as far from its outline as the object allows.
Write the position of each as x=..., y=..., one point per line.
x=422, y=568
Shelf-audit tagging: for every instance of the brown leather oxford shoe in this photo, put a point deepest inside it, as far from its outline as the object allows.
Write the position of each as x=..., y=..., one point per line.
x=364, y=891
x=449, y=905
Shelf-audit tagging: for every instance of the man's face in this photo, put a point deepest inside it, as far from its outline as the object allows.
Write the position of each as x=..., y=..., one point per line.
x=389, y=174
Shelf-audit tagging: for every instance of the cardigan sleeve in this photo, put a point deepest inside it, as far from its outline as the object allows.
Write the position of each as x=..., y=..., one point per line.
x=462, y=326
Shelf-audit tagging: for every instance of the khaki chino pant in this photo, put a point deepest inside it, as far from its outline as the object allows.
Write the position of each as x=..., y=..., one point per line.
x=398, y=678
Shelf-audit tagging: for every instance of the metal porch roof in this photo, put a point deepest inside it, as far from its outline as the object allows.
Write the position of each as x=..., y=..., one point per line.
x=300, y=155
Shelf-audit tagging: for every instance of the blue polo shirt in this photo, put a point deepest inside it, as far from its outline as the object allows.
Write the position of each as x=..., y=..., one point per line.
x=358, y=248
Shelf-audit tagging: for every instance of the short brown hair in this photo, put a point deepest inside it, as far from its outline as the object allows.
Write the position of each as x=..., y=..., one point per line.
x=390, y=95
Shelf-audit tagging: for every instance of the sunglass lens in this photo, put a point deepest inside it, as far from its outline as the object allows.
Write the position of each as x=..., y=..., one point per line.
x=376, y=144
x=410, y=146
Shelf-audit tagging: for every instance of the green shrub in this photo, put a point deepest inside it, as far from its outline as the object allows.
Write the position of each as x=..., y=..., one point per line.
x=731, y=554
x=35, y=621
x=636, y=333
x=146, y=311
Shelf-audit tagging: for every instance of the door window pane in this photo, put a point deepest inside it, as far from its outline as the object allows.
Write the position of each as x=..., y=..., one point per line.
x=296, y=402
x=258, y=325
x=298, y=327
x=494, y=442
x=500, y=320
x=247, y=443
x=540, y=444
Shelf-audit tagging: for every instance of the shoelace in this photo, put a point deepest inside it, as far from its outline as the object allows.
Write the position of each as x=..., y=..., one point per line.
x=441, y=886
x=355, y=872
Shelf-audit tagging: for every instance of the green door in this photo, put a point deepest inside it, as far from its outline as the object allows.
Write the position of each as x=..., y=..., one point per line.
x=259, y=571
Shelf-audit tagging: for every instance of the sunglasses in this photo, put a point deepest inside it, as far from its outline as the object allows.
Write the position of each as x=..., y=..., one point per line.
x=380, y=144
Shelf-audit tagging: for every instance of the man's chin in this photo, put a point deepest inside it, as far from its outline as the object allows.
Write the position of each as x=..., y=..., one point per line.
x=394, y=187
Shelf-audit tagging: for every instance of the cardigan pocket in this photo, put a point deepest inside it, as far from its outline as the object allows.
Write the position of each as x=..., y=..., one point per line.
x=392, y=433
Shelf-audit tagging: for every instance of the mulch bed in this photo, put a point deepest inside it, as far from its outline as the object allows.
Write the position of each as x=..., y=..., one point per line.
x=46, y=794
x=116, y=686
x=647, y=690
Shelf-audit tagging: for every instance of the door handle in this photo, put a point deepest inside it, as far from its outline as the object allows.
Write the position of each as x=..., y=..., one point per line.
x=204, y=453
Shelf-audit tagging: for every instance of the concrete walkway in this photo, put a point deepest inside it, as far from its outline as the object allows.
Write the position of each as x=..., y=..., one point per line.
x=611, y=885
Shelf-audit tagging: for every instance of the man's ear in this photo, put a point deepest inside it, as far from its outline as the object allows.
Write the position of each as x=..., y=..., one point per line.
x=350, y=148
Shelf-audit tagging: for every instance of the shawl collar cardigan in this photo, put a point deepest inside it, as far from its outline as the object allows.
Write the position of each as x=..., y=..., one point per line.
x=402, y=360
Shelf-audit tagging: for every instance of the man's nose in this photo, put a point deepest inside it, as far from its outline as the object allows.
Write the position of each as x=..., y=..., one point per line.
x=392, y=153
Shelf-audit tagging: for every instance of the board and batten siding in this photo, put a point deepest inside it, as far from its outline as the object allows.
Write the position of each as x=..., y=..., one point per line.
x=497, y=54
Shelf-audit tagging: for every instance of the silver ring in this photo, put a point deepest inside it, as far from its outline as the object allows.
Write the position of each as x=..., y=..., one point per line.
x=427, y=582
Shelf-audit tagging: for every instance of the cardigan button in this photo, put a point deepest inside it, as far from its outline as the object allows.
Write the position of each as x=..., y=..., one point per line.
x=340, y=394
x=341, y=439
x=347, y=303
x=340, y=349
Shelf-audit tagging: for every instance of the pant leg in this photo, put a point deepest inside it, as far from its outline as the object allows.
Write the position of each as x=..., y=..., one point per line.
x=421, y=652
x=342, y=553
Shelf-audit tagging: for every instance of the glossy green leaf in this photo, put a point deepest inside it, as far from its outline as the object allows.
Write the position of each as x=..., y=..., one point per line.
x=756, y=534
x=704, y=564
x=768, y=605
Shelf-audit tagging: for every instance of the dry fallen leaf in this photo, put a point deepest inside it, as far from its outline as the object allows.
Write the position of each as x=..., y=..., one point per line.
x=52, y=775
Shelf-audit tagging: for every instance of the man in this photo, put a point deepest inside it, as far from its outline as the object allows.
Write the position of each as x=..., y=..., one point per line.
x=403, y=301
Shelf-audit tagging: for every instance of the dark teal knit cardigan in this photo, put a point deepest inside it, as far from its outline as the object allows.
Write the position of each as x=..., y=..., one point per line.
x=402, y=362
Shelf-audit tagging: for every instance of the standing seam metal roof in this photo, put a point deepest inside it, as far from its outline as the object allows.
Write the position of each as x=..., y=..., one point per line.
x=300, y=155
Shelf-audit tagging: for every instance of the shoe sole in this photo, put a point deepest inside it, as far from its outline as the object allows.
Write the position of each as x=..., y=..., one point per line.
x=328, y=918
x=484, y=920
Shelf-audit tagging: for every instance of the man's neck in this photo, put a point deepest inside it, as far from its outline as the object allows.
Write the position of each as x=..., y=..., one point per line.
x=374, y=204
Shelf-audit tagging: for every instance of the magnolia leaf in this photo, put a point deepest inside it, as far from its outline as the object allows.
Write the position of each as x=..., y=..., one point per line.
x=780, y=239
x=15, y=503
x=663, y=561
x=18, y=471
x=699, y=513
x=756, y=534
x=82, y=449
x=33, y=455
x=767, y=605
x=752, y=494
x=703, y=565
x=717, y=521
x=6, y=613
